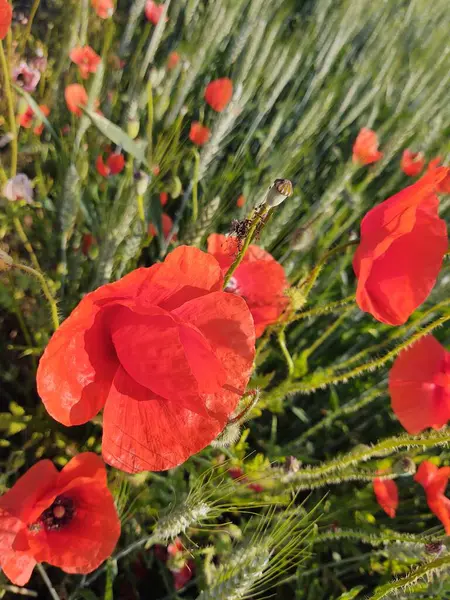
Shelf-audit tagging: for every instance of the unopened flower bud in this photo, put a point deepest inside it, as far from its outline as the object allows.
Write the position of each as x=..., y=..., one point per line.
x=6, y=261
x=176, y=188
x=278, y=192
x=142, y=181
x=228, y=436
x=133, y=128
x=291, y=464
x=404, y=466
x=435, y=548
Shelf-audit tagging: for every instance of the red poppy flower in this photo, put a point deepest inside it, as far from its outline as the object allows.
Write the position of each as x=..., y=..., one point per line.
x=434, y=481
x=164, y=351
x=153, y=11
x=76, y=96
x=419, y=385
x=167, y=225
x=386, y=493
x=183, y=575
x=199, y=134
x=403, y=242
x=240, y=202
x=443, y=185
x=365, y=148
x=412, y=163
x=86, y=59
x=44, y=517
x=259, y=279
x=114, y=164
x=5, y=18
x=173, y=60
x=218, y=93
x=103, y=8
x=26, y=118
x=163, y=198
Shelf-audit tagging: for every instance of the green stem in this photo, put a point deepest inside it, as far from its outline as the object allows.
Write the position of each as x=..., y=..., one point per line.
x=328, y=331
x=285, y=351
x=375, y=539
x=149, y=124
x=195, y=185
x=26, y=242
x=26, y=35
x=10, y=101
x=51, y=301
x=140, y=205
x=47, y=582
x=323, y=310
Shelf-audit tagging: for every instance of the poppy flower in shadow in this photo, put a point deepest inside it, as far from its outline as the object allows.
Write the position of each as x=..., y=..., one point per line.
x=403, y=243
x=166, y=223
x=386, y=493
x=199, y=134
x=259, y=279
x=365, y=148
x=434, y=481
x=419, y=386
x=114, y=164
x=153, y=11
x=218, y=93
x=164, y=351
x=86, y=59
x=412, y=163
x=44, y=517
x=28, y=118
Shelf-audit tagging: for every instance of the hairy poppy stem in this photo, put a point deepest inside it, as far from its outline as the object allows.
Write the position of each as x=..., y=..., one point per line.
x=47, y=582
x=46, y=290
x=10, y=101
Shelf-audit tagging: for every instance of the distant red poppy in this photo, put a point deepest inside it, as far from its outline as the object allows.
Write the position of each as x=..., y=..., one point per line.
x=199, y=134
x=183, y=575
x=419, y=385
x=412, y=163
x=444, y=185
x=259, y=279
x=5, y=18
x=87, y=242
x=156, y=170
x=238, y=473
x=86, y=59
x=76, y=96
x=103, y=8
x=114, y=164
x=163, y=198
x=27, y=118
x=434, y=481
x=173, y=60
x=240, y=202
x=164, y=351
x=365, y=148
x=153, y=11
x=39, y=128
x=386, y=493
x=403, y=242
x=167, y=225
x=218, y=93
x=44, y=517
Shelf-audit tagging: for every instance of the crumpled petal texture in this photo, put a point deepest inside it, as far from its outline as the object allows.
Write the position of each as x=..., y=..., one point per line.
x=164, y=351
x=79, y=545
x=259, y=279
x=403, y=243
x=434, y=481
x=386, y=493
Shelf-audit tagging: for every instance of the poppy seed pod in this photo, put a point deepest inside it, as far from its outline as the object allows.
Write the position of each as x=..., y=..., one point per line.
x=133, y=128
x=142, y=181
x=278, y=192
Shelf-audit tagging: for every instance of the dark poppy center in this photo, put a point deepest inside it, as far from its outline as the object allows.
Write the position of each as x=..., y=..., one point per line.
x=59, y=514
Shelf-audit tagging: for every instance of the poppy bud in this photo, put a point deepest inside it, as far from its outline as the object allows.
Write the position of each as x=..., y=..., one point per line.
x=142, y=181
x=291, y=464
x=404, y=466
x=176, y=188
x=228, y=436
x=278, y=192
x=133, y=128
x=6, y=261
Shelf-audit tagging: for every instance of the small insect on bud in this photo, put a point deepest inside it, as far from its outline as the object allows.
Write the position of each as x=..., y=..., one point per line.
x=278, y=192
x=435, y=548
x=142, y=181
x=6, y=261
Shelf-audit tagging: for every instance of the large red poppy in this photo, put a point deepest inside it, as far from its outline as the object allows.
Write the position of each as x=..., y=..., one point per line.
x=386, y=493
x=5, y=18
x=45, y=516
x=412, y=163
x=434, y=481
x=259, y=279
x=365, y=148
x=164, y=351
x=419, y=385
x=403, y=242
x=218, y=93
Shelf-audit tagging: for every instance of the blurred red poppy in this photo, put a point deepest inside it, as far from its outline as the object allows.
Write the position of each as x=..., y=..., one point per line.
x=87, y=242
x=44, y=517
x=114, y=164
x=412, y=163
x=86, y=59
x=386, y=493
x=5, y=18
x=259, y=279
x=76, y=96
x=365, y=148
x=183, y=575
x=167, y=225
x=443, y=185
x=103, y=8
x=240, y=202
x=164, y=351
x=434, y=481
x=153, y=11
x=199, y=134
x=419, y=385
x=39, y=128
x=403, y=243
x=218, y=93
x=238, y=473
x=27, y=118
x=163, y=198
x=173, y=60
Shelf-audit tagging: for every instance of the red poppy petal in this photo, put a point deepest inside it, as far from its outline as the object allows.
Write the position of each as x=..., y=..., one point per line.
x=386, y=493
x=78, y=365
x=413, y=394
x=425, y=473
x=143, y=432
x=116, y=163
x=18, y=567
x=102, y=169
x=89, y=539
x=265, y=315
x=224, y=249
x=261, y=282
x=20, y=499
x=5, y=18
x=86, y=464
x=440, y=506
x=186, y=273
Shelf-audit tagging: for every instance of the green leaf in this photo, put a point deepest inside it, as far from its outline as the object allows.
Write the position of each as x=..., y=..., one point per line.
x=111, y=573
x=118, y=136
x=351, y=594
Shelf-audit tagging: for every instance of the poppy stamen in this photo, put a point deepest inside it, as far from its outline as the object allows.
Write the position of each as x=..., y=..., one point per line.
x=59, y=514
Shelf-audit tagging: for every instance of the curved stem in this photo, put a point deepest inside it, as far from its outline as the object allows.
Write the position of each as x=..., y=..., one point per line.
x=47, y=582
x=26, y=35
x=46, y=290
x=285, y=351
x=10, y=101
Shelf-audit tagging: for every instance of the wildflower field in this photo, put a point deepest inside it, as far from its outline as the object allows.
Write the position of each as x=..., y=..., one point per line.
x=224, y=299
